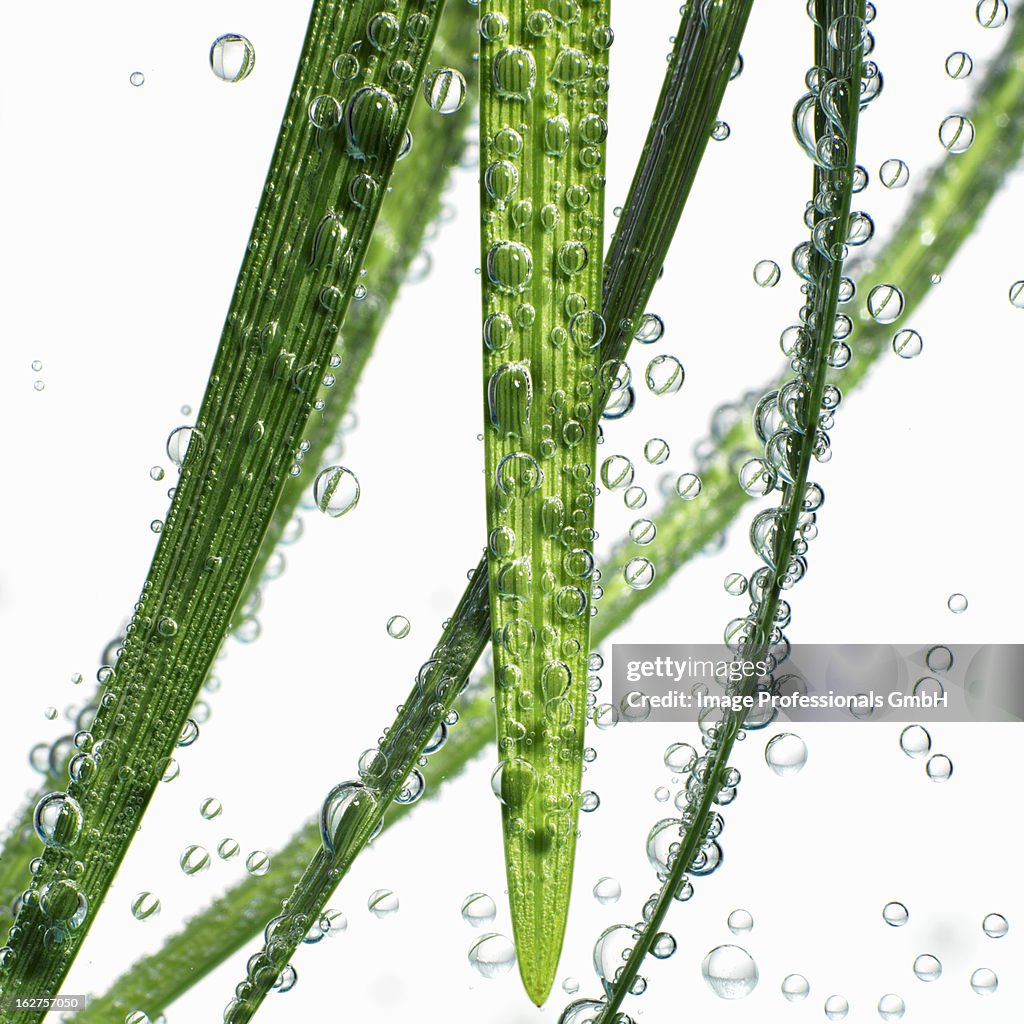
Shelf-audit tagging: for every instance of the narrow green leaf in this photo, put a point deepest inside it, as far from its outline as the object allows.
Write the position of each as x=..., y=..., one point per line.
x=352, y=812
x=542, y=150
x=408, y=210
x=338, y=145
x=827, y=121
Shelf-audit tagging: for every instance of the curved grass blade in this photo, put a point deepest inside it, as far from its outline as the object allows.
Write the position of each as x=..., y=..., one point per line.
x=296, y=282
x=792, y=433
x=542, y=146
x=941, y=216
x=684, y=529
x=352, y=813
x=410, y=207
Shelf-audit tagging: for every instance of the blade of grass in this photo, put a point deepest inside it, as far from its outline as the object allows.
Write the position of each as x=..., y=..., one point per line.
x=542, y=203
x=411, y=205
x=351, y=814
x=297, y=279
x=775, y=535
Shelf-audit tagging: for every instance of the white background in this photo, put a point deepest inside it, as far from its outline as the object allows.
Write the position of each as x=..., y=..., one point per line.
x=125, y=212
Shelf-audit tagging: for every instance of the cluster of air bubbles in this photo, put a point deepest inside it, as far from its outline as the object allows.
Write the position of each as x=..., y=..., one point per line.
x=232, y=57
x=38, y=384
x=916, y=742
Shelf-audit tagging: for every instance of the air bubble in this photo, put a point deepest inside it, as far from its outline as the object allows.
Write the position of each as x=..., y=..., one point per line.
x=895, y=914
x=939, y=768
x=58, y=820
x=995, y=926
x=211, y=808
x=992, y=13
x=894, y=173
x=145, y=907
x=492, y=955
x=639, y=573
x=607, y=891
x=398, y=627
x=194, y=860
x=688, y=486
x=956, y=133
x=786, y=754
x=885, y=303
x=984, y=981
x=959, y=64
x=915, y=741
x=382, y=903
x=730, y=972
x=766, y=273
x=891, y=1007
x=509, y=267
x=907, y=344
x=957, y=603
x=336, y=491
x=740, y=922
x=444, y=89
x=837, y=1007
x=232, y=57
x=478, y=909
x=795, y=988
x=927, y=967
x=184, y=442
